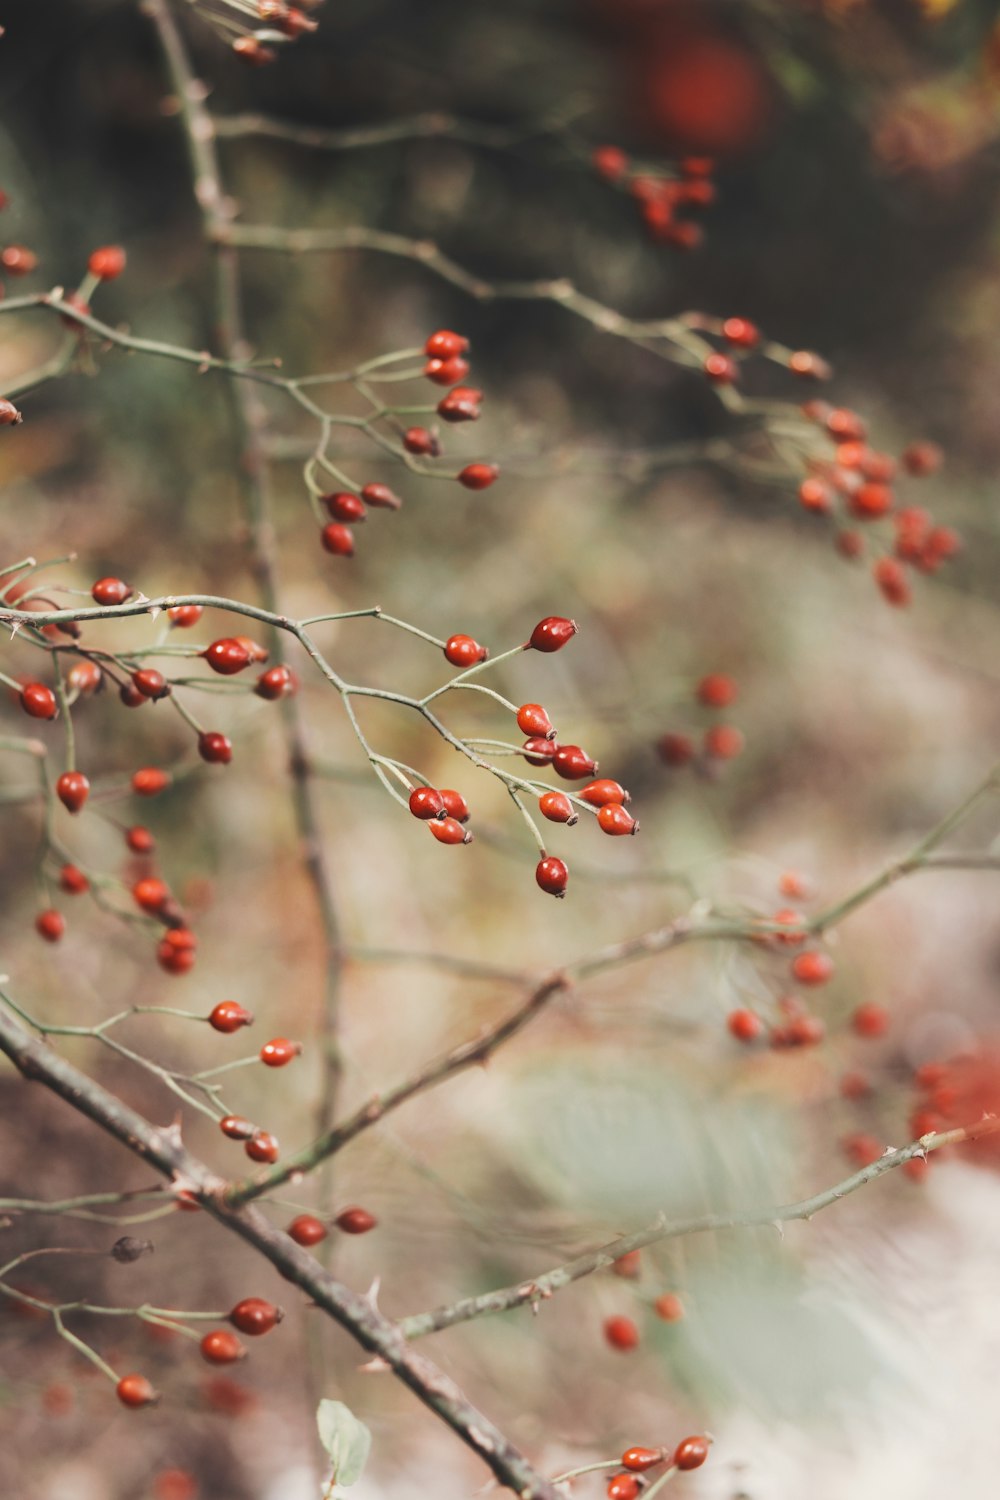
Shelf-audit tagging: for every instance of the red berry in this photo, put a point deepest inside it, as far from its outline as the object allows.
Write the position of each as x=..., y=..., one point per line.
x=445, y=345
x=862, y=1149
x=9, y=414
x=552, y=633
x=449, y=831
x=149, y=781
x=557, y=807
x=236, y=1128
x=609, y=162
x=479, y=476
x=723, y=741
x=620, y=1332
x=183, y=616
x=447, y=371
x=276, y=682
x=870, y=501
x=691, y=1452
x=804, y=1031
x=426, y=802
x=816, y=496
x=215, y=748
x=809, y=366
x=262, y=1146
x=745, y=1025
x=110, y=591
x=140, y=840
x=355, y=1220
x=854, y=1086
x=539, y=752
x=175, y=1484
x=421, y=442
x=73, y=881
x=463, y=651
x=135, y=1391
x=552, y=875
x=256, y=653
x=380, y=497
x=892, y=581
x=842, y=423
x=131, y=696
x=107, y=262
x=629, y=1265
x=150, y=894
x=279, y=1051
x=720, y=369
x=870, y=1020
x=255, y=1317
x=675, y=749
x=813, y=967
x=176, y=951
x=50, y=925
x=73, y=789
x=38, y=701
x=598, y=793
x=229, y=1016
x=794, y=886
x=18, y=260
x=613, y=819
x=307, y=1230
x=460, y=405
x=84, y=677
x=220, y=1347
x=345, y=507
x=533, y=720
x=338, y=539
x=227, y=656
x=741, y=332
x=716, y=691
x=622, y=1487
x=921, y=459
x=150, y=683
x=638, y=1460
x=572, y=763
x=669, y=1307
x=850, y=544
x=249, y=50
x=455, y=804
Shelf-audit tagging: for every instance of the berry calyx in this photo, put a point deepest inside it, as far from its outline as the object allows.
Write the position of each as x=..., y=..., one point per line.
x=220, y=1347
x=614, y=820
x=279, y=1051
x=227, y=656
x=479, y=476
x=38, y=701
x=572, y=763
x=73, y=881
x=426, y=802
x=215, y=748
x=277, y=682
x=107, y=262
x=463, y=651
x=533, y=720
x=72, y=789
x=557, y=807
x=50, y=925
x=620, y=1332
x=135, y=1391
x=262, y=1146
x=552, y=633
x=110, y=591
x=449, y=831
x=255, y=1317
x=338, y=539
x=813, y=967
x=355, y=1220
x=691, y=1452
x=638, y=1460
x=552, y=875
x=229, y=1016
x=307, y=1230
x=598, y=793
x=149, y=781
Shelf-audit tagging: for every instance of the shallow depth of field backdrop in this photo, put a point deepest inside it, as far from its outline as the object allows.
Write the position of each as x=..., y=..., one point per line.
x=856, y=215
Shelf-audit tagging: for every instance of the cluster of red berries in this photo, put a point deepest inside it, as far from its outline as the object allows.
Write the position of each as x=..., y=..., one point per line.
x=637, y=1463
x=253, y=1317
x=739, y=339
x=661, y=199
x=446, y=365
x=307, y=1230
x=719, y=742
x=856, y=484
x=810, y=969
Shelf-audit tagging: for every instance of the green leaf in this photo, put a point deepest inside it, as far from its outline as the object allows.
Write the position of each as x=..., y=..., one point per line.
x=346, y=1440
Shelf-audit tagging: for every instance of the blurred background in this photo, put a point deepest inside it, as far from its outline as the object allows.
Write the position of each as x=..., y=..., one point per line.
x=857, y=214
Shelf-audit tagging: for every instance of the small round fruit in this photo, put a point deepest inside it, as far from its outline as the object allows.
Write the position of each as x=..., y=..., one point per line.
x=175, y=953
x=229, y=1016
x=613, y=819
x=227, y=656
x=447, y=371
x=813, y=967
x=552, y=633
x=744, y=1025
x=463, y=651
x=140, y=840
x=279, y=1051
x=237, y=1128
x=183, y=616
x=426, y=802
x=345, y=507
x=533, y=720
x=151, y=894
x=620, y=1332
x=638, y=1460
x=149, y=781
x=255, y=1317
x=380, y=497
x=623, y=1487
x=110, y=591
x=723, y=742
x=455, y=804
x=870, y=1020
x=50, y=925
x=445, y=345
x=215, y=748
x=675, y=749
x=669, y=1307
x=419, y=441
x=84, y=677
x=150, y=683
x=572, y=763
x=9, y=414
x=220, y=1347
x=538, y=751
x=355, y=1220
x=691, y=1452
x=598, y=793
x=307, y=1230
x=557, y=807
x=479, y=476
x=73, y=881
x=72, y=789
x=277, y=682
x=338, y=539
x=107, y=262
x=135, y=1391
x=262, y=1146
x=38, y=701
x=628, y=1266
x=552, y=875
x=449, y=831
